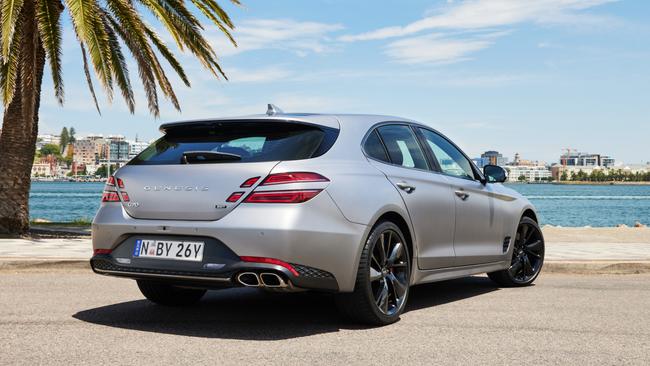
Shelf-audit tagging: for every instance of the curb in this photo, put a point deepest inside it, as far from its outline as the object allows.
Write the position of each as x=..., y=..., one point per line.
x=17, y=264
x=597, y=267
x=565, y=267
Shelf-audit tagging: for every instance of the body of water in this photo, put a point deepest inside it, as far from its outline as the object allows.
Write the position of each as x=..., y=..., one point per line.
x=563, y=205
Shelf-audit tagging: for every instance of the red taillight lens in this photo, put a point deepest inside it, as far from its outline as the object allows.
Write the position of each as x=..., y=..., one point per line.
x=270, y=261
x=102, y=251
x=110, y=197
x=293, y=177
x=125, y=197
x=249, y=182
x=235, y=197
x=112, y=180
x=282, y=196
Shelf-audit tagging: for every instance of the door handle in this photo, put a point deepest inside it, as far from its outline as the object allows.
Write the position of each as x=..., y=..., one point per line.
x=462, y=195
x=405, y=187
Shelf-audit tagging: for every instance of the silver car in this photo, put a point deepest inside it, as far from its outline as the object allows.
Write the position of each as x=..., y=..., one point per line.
x=361, y=205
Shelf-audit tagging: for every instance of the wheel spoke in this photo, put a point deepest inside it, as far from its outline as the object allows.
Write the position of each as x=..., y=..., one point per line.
x=388, y=244
x=395, y=254
x=523, y=235
x=382, y=250
x=528, y=269
x=527, y=251
x=535, y=246
x=374, y=275
x=515, y=268
x=529, y=234
x=374, y=259
x=382, y=299
x=398, y=287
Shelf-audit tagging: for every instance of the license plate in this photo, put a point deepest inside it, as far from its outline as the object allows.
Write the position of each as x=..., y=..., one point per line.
x=169, y=249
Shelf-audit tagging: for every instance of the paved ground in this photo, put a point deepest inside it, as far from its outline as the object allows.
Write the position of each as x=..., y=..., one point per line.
x=58, y=317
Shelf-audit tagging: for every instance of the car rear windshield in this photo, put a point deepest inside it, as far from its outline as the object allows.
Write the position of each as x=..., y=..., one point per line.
x=227, y=142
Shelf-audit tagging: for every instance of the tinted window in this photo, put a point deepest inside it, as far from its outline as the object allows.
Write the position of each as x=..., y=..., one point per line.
x=250, y=141
x=375, y=148
x=402, y=146
x=450, y=159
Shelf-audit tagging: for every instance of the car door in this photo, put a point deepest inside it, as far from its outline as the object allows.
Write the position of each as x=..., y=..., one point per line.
x=394, y=149
x=478, y=234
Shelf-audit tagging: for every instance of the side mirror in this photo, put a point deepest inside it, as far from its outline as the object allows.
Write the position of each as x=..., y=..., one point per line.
x=495, y=174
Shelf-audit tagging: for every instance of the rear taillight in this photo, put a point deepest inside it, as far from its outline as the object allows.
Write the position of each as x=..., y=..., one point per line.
x=108, y=196
x=293, y=177
x=297, y=196
x=249, y=182
x=125, y=197
x=282, y=196
x=102, y=251
x=235, y=197
x=111, y=181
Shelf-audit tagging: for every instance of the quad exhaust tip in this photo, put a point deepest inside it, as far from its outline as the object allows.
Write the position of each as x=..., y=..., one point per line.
x=265, y=279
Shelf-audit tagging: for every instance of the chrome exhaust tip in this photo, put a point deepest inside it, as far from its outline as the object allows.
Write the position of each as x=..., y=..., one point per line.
x=249, y=279
x=272, y=280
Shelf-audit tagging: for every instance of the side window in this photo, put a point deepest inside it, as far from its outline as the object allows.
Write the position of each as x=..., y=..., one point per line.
x=375, y=148
x=403, y=148
x=450, y=159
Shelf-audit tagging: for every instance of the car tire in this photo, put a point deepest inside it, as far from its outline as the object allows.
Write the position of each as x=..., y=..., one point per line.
x=363, y=305
x=527, y=257
x=166, y=294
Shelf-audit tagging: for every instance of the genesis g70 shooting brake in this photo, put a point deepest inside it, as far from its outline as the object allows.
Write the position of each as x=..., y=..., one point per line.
x=364, y=206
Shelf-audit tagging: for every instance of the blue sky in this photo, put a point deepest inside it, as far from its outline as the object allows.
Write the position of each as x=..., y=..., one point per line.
x=532, y=77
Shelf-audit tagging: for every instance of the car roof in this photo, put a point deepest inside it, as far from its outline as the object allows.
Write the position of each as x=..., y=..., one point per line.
x=363, y=121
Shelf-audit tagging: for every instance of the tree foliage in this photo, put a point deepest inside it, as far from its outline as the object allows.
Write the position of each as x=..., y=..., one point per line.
x=106, y=30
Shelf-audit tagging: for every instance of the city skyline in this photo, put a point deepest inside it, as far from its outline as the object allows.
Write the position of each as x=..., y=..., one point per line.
x=534, y=80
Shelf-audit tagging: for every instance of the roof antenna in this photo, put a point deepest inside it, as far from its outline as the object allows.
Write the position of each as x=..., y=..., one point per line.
x=273, y=109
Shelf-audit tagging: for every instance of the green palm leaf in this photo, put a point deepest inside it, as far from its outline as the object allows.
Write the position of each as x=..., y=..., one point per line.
x=10, y=68
x=10, y=14
x=90, y=31
x=49, y=28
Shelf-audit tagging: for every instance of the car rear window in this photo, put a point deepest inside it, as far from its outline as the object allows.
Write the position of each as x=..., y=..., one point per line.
x=246, y=141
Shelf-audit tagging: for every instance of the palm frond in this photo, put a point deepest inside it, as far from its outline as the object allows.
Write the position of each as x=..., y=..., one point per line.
x=215, y=18
x=186, y=34
x=119, y=67
x=10, y=15
x=10, y=68
x=167, y=54
x=49, y=28
x=88, y=78
x=90, y=31
x=128, y=25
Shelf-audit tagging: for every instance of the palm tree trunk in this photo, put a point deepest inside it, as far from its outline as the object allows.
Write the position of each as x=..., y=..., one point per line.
x=19, y=130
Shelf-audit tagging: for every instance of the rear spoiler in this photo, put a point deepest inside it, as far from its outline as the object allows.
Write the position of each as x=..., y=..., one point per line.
x=330, y=123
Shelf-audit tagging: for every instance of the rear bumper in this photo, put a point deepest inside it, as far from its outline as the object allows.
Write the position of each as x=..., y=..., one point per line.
x=313, y=237
x=307, y=278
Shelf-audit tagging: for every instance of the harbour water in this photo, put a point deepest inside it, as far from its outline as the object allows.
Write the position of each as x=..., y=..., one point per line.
x=560, y=205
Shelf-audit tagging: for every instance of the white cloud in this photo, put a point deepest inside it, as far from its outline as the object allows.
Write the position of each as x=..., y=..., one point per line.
x=435, y=48
x=481, y=14
x=298, y=37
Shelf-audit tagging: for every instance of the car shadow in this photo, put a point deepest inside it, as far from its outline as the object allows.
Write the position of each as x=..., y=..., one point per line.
x=250, y=314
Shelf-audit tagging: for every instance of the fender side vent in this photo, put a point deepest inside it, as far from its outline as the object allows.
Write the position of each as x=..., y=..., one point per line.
x=506, y=243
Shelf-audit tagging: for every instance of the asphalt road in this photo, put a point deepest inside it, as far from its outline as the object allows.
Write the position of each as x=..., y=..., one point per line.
x=79, y=318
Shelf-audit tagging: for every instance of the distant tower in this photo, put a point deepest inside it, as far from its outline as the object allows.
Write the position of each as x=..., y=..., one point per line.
x=516, y=162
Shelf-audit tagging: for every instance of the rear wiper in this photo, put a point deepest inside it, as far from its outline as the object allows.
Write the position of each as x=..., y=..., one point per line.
x=198, y=157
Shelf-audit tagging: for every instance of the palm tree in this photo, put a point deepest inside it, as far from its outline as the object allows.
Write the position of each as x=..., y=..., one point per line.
x=30, y=36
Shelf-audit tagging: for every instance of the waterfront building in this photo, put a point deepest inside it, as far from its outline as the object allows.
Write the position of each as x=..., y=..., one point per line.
x=47, y=139
x=530, y=173
x=85, y=152
x=136, y=147
x=493, y=158
x=581, y=159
